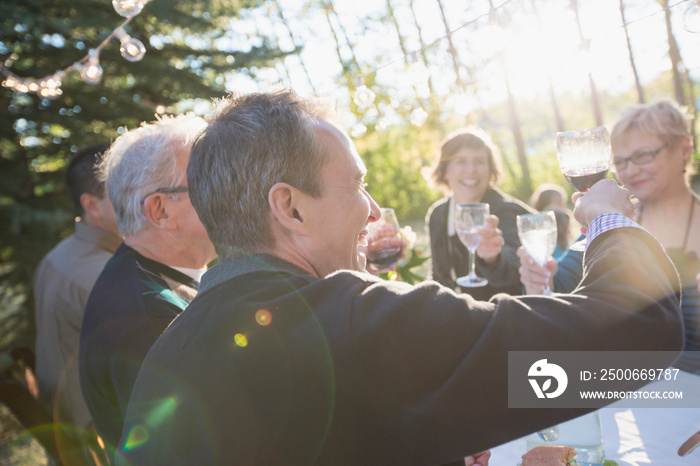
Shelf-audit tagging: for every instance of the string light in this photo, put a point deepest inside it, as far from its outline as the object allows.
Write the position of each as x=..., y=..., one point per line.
x=91, y=72
x=691, y=18
x=128, y=8
x=364, y=97
x=417, y=73
x=131, y=49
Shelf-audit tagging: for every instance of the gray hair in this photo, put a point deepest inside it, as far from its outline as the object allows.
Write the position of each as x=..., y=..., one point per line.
x=663, y=118
x=141, y=161
x=251, y=143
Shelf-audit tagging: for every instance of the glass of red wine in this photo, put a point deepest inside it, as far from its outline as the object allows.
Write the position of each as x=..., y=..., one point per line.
x=469, y=219
x=384, y=243
x=584, y=159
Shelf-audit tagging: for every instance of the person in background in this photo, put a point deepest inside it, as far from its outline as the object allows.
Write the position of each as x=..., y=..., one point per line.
x=291, y=353
x=552, y=197
x=62, y=284
x=466, y=168
x=548, y=196
x=652, y=148
x=153, y=275
x=651, y=145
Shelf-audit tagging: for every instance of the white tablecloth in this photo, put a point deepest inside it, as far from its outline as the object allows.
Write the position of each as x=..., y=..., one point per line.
x=636, y=436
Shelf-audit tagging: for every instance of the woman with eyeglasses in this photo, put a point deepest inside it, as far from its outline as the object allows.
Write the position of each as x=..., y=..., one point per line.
x=651, y=146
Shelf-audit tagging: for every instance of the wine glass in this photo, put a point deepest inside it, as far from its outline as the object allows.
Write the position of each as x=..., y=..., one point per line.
x=538, y=235
x=469, y=219
x=384, y=242
x=584, y=159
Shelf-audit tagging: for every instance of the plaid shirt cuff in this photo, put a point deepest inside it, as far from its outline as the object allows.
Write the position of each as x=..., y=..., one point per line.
x=607, y=222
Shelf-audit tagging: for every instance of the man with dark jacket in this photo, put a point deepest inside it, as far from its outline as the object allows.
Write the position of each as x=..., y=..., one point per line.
x=291, y=354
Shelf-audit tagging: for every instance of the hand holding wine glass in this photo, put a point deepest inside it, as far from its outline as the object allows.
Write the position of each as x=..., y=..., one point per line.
x=605, y=197
x=469, y=219
x=535, y=277
x=584, y=158
x=384, y=243
x=538, y=235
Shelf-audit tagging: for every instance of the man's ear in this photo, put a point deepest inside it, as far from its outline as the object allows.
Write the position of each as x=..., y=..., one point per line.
x=156, y=213
x=89, y=204
x=284, y=202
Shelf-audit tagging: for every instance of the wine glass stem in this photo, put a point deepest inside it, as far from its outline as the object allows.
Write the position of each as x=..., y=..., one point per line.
x=472, y=263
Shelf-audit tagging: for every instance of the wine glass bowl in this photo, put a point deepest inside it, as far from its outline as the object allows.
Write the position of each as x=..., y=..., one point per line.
x=538, y=235
x=384, y=242
x=584, y=156
x=469, y=219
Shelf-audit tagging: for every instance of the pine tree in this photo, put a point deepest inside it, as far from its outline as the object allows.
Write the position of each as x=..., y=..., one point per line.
x=191, y=48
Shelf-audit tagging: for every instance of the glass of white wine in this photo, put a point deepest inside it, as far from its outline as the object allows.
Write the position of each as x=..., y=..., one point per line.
x=469, y=219
x=538, y=235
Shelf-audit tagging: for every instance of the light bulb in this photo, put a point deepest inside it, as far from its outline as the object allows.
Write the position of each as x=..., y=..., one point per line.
x=33, y=86
x=10, y=81
x=493, y=17
x=418, y=116
x=92, y=72
x=358, y=130
x=416, y=73
x=364, y=96
x=128, y=8
x=691, y=18
x=131, y=49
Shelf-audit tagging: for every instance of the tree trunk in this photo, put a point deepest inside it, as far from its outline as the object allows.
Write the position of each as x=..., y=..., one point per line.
x=526, y=181
x=422, y=45
x=345, y=35
x=675, y=55
x=597, y=113
x=451, y=48
x=640, y=89
x=550, y=84
x=294, y=41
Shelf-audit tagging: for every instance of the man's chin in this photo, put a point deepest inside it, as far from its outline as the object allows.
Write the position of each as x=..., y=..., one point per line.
x=361, y=261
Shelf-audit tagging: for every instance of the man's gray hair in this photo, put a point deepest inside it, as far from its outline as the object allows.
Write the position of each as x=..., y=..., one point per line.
x=141, y=161
x=252, y=142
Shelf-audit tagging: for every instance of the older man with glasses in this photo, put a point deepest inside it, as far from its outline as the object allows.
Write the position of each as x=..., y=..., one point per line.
x=153, y=275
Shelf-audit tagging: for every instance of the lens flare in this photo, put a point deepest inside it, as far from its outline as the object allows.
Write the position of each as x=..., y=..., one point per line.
x=263, y=317
x=240, y=340
x=136, y=437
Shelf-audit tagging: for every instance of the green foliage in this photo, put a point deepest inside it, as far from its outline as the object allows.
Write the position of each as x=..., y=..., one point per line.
x=190, y=45
x=395, y=160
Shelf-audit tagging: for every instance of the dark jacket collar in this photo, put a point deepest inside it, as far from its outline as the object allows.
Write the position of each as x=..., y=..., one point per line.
x=233, y=268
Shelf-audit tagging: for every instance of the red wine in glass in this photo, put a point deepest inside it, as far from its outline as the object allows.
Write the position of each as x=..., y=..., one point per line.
x=583, y=181
x=584, y=159
x=384, y=259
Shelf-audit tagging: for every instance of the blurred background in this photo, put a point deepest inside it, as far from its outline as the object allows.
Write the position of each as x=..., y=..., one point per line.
x=403, y=72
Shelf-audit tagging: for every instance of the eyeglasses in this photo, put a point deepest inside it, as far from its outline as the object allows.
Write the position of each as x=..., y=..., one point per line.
x=640, y=158
x=171, y=190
